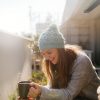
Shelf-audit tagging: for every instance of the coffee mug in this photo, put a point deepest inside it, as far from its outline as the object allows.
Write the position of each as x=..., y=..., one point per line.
x=23, y=89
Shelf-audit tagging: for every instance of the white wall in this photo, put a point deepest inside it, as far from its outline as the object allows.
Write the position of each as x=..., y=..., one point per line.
x=14, y=56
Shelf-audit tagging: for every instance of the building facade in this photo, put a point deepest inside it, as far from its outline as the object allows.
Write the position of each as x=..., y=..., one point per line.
x=81, y=26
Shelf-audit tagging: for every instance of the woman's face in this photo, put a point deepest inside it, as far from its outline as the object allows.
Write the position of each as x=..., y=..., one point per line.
x=51, y=55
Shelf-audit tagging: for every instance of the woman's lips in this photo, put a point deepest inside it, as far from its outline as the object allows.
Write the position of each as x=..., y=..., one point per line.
x=52, y=60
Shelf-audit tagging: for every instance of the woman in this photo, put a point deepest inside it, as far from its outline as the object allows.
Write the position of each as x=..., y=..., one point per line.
x=70, y=72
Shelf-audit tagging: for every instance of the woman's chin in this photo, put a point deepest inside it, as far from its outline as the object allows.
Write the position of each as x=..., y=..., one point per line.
x=53, y=62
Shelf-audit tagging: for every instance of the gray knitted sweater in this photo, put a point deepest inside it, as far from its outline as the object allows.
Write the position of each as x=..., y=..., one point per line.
x=84, y=81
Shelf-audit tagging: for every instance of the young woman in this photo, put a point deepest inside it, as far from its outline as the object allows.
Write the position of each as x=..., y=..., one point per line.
x=70, y=72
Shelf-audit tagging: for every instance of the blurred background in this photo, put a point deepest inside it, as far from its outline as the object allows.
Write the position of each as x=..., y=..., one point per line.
x=22, y=22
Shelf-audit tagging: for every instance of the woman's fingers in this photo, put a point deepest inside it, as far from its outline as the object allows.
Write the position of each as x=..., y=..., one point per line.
x=31, y=99
x=32, y=92
x=34, y=85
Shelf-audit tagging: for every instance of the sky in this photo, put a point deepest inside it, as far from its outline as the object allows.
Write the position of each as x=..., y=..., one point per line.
x=14, y=14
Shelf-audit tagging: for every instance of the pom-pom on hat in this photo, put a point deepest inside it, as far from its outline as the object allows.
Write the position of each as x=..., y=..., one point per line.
x=51, y=38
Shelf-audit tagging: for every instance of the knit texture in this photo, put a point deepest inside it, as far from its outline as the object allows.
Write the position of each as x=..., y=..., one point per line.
x=51, y=38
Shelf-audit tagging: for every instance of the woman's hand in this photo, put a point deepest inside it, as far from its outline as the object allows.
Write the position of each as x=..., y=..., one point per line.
x=34, y=91
x=28, y=98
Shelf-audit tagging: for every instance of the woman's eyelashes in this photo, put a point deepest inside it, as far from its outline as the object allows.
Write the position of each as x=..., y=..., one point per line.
x=49, y=52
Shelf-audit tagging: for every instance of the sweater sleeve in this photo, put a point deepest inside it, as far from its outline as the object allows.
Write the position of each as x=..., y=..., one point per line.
x=79, y=79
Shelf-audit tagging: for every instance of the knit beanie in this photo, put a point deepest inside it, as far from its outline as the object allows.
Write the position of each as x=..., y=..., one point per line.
x=51, y=38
